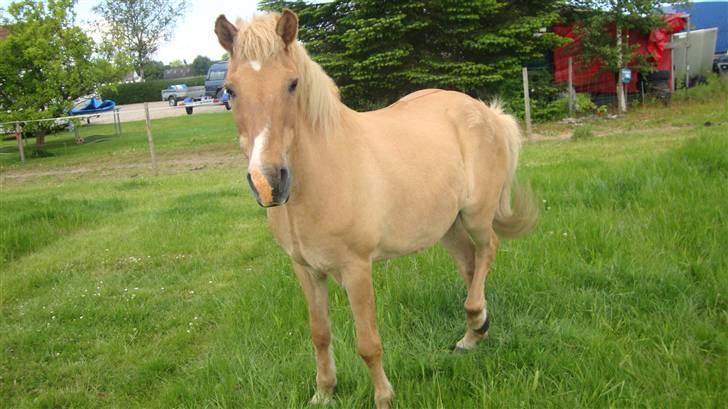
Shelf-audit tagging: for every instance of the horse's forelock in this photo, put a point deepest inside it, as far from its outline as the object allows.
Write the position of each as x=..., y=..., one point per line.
x=257, y=39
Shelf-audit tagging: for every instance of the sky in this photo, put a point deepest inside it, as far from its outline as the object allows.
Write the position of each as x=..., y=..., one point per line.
x=195, y=35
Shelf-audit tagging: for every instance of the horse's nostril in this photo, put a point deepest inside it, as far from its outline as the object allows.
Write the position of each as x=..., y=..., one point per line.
x=251, y=184
x=284, y=176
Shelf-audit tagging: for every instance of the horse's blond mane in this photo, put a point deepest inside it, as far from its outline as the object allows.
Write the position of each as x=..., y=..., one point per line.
x=318, y=96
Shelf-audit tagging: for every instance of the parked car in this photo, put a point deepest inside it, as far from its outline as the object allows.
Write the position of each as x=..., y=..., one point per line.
x=720, y=64
x=180, y=92
x=216, y=79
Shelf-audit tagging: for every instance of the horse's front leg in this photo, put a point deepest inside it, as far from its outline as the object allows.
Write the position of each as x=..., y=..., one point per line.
x=357, y=281
x=316, y=292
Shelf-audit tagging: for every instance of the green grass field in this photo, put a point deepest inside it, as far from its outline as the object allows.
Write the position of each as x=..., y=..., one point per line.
x=120, y=289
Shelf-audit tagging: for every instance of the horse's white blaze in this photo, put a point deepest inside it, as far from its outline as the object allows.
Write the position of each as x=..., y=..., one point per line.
x=255, y=65
x=259, y=143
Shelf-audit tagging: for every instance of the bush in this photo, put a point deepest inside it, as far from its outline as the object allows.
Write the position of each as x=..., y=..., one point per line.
x=582, y=132
x=148, y=91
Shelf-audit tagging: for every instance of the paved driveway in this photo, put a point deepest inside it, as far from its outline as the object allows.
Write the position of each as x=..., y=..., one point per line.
x=161, y=109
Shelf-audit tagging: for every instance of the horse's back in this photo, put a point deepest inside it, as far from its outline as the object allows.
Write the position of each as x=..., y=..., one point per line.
x=417, y=157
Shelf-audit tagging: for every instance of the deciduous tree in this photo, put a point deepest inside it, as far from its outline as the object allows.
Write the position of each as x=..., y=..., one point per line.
x=140, y=26
x=603, y=26
x=45, y=62
x=200, y=65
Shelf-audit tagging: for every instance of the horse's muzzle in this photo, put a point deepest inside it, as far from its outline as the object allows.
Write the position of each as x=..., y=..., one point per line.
x=271, y=186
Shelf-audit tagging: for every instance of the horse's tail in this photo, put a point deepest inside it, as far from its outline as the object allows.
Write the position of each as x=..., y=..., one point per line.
x=520, y=218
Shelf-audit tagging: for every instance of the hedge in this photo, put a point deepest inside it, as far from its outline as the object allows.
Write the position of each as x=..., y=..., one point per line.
x=148, y=91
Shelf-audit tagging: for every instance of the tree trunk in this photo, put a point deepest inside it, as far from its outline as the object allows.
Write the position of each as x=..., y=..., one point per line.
x=621, y=100
x=141, y=72
x=40, y=139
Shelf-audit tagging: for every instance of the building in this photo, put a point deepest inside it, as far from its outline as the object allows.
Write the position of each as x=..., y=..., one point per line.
x=177, y=72
x=708, y=14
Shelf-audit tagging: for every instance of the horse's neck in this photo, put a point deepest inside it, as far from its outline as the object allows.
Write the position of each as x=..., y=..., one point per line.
x=318, y=162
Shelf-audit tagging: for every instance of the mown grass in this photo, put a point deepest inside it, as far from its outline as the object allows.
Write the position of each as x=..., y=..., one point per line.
x=125, y=290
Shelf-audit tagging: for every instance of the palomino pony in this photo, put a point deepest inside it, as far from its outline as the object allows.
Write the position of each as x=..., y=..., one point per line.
x=343, y=189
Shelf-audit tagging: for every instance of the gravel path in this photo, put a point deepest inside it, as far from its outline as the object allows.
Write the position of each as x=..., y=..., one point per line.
x=160, y=109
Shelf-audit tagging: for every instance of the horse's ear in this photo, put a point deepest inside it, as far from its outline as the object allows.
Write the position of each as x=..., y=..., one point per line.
x=225, y=31
x=287, y=26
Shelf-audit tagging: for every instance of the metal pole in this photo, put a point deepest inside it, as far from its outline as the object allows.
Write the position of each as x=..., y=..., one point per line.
x=19, y=139
x=527, y=101
x=150, y=140
x=572, y=94
x=687, y=65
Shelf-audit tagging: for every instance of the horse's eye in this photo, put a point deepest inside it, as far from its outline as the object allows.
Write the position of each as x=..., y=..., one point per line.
x=293, y=85
x=230, y=92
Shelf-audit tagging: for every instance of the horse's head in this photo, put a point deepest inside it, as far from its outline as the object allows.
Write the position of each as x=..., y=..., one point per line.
x=262, y=80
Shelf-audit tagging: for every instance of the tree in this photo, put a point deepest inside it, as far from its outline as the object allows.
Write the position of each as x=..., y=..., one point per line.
x=378, y=50
x=603, y=26
x=154, y=70
x=140, y=26
x=177, y=64
x=46, y=62
x=200, y=65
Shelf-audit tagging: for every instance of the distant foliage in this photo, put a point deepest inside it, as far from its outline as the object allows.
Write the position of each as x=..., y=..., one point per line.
x=377, y=51
x=138, y=27
x=45, y=62
x=148, y=91
x=154, y=70
x=200, y=65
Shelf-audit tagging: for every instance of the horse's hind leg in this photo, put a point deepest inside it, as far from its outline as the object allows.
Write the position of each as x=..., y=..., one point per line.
x=473, y=244
x=459, y=245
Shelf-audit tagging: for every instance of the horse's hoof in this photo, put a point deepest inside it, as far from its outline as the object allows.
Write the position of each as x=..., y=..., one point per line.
x=461, y=347
x=322, y=399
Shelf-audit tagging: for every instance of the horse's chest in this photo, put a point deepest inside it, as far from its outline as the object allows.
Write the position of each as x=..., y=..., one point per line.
x=306, y=244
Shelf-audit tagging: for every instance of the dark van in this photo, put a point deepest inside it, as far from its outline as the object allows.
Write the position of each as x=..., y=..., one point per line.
x=215, y=79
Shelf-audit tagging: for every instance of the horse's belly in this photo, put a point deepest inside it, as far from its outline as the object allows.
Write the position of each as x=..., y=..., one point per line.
x=416, y=227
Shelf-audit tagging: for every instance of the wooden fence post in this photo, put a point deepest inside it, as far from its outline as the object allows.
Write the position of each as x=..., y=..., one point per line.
x=19, y=139
x=150, y=140
x=572, y=94
x=527, y=101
